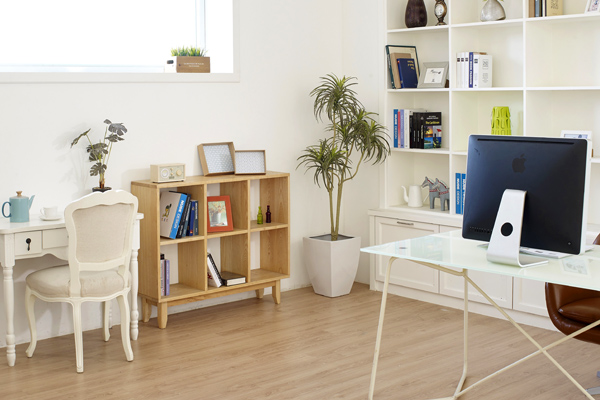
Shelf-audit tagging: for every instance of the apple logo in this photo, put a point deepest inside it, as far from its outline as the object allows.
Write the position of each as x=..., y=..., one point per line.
x=518, y=164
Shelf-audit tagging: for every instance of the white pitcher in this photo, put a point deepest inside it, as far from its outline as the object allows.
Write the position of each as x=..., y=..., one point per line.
x=415, y=196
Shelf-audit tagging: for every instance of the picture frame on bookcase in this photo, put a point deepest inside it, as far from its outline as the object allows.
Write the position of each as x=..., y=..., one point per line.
x=250, y=162
x=218, y=212
x=394, y=52
x=217, y=158
x=592, y=6
x=435, y=75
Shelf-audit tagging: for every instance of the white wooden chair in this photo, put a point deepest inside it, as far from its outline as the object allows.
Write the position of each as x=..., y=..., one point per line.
x=100, y=229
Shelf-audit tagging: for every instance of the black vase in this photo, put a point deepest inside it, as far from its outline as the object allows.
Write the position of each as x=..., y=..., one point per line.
x=416, y=14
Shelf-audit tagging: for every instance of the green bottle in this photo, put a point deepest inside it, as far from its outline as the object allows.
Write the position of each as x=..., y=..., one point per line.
x=259, y=217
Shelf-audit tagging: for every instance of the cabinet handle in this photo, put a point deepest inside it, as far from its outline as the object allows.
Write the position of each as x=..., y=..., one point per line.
x=405, y=223
x=28, y=241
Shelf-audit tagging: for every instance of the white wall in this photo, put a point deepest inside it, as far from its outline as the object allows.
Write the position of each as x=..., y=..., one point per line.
x=285, y=47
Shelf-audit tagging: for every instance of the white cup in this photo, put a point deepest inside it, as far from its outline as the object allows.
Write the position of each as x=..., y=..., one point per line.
x=50, y=212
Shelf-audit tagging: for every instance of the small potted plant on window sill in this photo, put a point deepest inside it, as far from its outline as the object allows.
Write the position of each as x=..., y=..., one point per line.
x=99, y=153
x=188, y=59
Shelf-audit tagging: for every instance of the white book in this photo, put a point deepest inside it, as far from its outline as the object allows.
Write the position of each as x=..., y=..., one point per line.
x=475, y=70
x=214, y=278
x=465, y=70
x=458, y=83
x=484, y=79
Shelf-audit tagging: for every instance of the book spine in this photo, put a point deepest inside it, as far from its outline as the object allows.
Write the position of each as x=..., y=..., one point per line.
x=190, y=230
x=471, y=70
x=167, y=277
x=216, y=270
x=196, y=218
x=178, y=214
x=390, y=67
x=462, y=194
x=457, y=191
x=396, y=127
x=401, y=128
x=184, y=217
x=458, y=71
x=162, y=274
x=475, y=71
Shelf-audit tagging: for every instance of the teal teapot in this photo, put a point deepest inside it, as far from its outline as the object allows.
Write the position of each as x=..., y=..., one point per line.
x=18, y=208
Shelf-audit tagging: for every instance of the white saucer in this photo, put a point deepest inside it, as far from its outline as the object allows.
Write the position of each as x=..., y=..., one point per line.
x=50, y=219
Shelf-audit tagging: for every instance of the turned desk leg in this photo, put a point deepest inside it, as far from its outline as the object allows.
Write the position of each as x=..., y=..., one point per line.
x=9, y=306
x=260, y=293
x=276, y=292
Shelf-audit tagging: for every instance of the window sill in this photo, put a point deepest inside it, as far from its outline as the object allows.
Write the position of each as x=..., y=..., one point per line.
x=108, y=77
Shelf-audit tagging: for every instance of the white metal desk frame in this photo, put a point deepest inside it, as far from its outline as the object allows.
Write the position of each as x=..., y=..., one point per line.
x=464, y=273
x=8, y=231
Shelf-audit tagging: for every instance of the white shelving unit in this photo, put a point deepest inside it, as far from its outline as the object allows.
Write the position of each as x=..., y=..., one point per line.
x=547, y=70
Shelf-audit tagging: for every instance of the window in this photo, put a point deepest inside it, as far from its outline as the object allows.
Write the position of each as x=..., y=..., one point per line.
x=114, y=36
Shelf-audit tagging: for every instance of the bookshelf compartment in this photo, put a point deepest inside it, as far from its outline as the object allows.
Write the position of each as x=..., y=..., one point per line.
x=234, y=246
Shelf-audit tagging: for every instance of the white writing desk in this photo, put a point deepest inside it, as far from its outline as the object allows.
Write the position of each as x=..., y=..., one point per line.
x=449, y=249
x=37, y=238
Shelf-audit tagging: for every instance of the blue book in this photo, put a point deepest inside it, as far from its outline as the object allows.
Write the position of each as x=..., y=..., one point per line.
x=395, y=127
x=462, y=199
x=190, y=231
x=471, y=69
x=171, y=210
x=408, y=73
x=458, y=192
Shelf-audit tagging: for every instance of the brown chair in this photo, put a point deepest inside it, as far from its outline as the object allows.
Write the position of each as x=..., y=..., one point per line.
x=571, y=309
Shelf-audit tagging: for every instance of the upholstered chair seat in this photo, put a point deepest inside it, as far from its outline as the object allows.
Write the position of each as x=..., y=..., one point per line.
x=54, y=282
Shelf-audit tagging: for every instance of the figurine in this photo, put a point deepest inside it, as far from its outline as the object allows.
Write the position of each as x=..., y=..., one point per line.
x=443, y=193
x=433, y=191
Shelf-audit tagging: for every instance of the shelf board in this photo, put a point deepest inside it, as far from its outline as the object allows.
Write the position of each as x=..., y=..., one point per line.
x=559, y=19
x=518, y=22
x=235, y=231
x=166, y=241
x=562, y=88
x=429, y=90
x=492, y=89
x=180, y=291
x=263, y=275
x=419, y=29
x=421, y=210
x=441, y=151
x=254, y=227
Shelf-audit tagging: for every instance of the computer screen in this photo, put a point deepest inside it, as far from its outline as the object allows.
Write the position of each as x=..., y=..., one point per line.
x=553, y=172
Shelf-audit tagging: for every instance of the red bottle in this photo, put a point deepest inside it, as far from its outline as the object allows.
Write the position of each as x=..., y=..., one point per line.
x=268, y=214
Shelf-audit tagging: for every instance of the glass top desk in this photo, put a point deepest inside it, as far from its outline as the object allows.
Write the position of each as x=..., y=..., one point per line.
x=449, y=249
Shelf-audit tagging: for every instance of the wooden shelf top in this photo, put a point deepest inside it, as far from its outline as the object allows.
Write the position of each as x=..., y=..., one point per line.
x=207, y=180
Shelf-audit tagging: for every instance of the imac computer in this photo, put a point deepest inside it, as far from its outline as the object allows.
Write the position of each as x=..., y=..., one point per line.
x=526, y=191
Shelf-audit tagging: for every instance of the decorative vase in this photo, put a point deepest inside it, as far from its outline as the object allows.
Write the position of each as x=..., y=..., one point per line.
x=416, y=14
x=492, y=11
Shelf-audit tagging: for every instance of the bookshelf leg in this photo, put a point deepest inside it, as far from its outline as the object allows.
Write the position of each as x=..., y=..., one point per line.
x=260, y=293
x=276, y=292
x=162, y=315
x=146, y=310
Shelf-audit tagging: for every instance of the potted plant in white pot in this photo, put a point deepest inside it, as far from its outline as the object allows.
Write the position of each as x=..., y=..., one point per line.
x=99, y=153
x=355, y=138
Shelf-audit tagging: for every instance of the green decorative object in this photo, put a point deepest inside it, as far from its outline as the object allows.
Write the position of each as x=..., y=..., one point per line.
x=259, y=216
x=501, y=121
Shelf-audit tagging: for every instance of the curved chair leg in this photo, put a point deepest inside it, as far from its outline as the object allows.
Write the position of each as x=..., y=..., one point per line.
x=124, y=308
x=29, y=303
x=106, y=314
x=77, y=332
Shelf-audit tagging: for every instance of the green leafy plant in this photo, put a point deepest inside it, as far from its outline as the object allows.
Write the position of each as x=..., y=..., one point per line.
x=355, y=138
x=99, y=153
x=188, y=51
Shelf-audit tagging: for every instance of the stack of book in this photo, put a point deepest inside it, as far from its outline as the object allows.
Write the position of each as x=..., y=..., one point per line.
x=178, y=215
x=545, y=8
x=473, y=70
x=165, y=275
x=403, y=66
x=218, y=278
x=461, y=184
x=417, y=129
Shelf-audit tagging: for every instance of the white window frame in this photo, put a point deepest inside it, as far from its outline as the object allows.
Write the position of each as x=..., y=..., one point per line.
x=136, y=77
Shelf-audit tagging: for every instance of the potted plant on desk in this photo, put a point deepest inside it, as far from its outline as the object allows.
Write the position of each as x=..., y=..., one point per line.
x=99, y=153
x=355, y=138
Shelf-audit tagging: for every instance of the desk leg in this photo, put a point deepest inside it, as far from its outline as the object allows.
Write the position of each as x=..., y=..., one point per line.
x=9, y=306
x=134, y=292
x=380, y=328
x=465, y=333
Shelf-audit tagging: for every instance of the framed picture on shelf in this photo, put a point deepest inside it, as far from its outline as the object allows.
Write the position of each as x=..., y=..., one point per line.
x=576, y=134
x=219, y=214
x=592, y=6
x=250, y=162
x=434, y=75
x=217, y=158
x=394, y=52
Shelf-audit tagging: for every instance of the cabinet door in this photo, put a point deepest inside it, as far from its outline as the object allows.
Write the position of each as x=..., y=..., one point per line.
x=530, y=296
x=498, y=287
x=404, y=272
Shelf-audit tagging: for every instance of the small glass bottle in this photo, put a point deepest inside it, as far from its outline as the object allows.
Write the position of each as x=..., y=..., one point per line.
x=259, y=217
x=268, y=214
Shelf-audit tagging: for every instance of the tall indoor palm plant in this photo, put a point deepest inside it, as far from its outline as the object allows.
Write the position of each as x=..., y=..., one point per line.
x=355, y=138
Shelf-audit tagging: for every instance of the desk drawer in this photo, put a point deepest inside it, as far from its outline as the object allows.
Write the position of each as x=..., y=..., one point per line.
x=54, y=238
x=28, y=243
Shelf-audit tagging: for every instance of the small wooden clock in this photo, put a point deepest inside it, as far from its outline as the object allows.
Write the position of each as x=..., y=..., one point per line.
x=440, y=11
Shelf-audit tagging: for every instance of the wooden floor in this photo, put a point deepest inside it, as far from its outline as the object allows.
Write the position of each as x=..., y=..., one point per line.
x=308, y=347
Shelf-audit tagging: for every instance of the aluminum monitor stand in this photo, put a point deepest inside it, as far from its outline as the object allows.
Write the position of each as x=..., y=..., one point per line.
x=506, y=235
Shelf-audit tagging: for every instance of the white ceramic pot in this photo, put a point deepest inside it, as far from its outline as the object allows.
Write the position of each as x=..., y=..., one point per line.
x=331, y=265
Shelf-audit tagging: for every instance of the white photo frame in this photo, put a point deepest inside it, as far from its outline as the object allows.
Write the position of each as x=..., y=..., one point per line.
x=592, y=6
x=576, y=134
x=433, y=75
x=217, y=158
x=250, y=162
